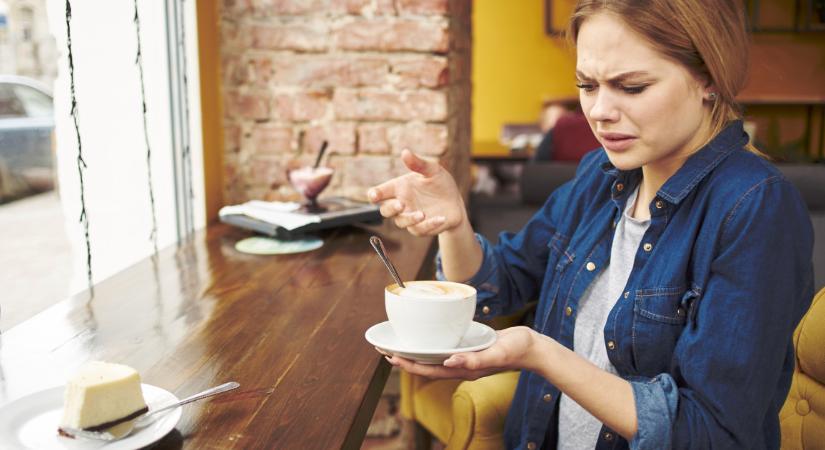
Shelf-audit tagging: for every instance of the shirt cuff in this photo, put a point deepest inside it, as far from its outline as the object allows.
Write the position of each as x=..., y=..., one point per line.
x=485, y=273
x=487, y=289
x=656, y=401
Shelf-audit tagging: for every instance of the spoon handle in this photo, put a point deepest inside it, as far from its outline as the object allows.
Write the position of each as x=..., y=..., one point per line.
x=207, y=393
x=378, y=245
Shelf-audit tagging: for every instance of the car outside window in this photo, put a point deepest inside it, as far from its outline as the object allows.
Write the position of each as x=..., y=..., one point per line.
x=36, y=103
x=10, y=105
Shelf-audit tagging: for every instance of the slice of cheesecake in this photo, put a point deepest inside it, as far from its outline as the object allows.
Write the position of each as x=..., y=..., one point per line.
x=102, y=395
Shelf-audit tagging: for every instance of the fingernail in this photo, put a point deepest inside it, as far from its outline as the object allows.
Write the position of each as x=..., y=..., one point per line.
x=389, y=360
x=372, y=194
x=439, y=219
x=419, y=215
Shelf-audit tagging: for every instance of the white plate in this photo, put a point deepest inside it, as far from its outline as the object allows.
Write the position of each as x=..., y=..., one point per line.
x=31, y=422
x=478, y=337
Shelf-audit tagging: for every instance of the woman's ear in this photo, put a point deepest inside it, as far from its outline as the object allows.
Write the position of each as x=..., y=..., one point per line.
x=709, y=92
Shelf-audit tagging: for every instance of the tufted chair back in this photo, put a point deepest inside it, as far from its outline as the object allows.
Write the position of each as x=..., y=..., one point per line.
x=802, y=417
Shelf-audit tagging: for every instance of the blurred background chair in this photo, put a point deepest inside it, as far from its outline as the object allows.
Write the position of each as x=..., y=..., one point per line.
x=568, y=140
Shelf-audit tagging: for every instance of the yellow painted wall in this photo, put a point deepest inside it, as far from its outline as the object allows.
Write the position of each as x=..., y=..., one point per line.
x=516, y=66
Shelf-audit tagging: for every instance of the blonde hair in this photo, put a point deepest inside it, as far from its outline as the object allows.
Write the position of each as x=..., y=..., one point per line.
x=708, y=38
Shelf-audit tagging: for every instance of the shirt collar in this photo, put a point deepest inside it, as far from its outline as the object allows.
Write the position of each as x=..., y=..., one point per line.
x=697, y=166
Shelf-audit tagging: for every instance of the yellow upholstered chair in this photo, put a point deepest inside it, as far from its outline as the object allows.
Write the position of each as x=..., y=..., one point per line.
x=802, y=417
x=462, y=414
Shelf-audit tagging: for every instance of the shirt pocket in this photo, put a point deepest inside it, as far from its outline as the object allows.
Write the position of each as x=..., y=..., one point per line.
x=558, y=257
x=659, y=316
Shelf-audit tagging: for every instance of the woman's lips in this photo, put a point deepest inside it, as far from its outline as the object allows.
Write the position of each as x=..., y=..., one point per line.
x=616, y=142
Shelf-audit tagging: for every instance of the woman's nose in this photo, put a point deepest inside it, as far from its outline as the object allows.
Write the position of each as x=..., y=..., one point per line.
x=603, y=107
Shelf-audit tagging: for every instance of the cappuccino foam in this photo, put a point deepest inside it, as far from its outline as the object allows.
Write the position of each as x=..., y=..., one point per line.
x=432, y=289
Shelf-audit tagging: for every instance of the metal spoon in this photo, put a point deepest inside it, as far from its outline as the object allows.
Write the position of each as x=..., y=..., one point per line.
x=378, y=245
x=122, y=430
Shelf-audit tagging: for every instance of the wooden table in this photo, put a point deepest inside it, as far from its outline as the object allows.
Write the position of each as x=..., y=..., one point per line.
x=290, y=329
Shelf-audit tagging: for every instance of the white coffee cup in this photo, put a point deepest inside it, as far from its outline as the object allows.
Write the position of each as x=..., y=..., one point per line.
x=430, y=314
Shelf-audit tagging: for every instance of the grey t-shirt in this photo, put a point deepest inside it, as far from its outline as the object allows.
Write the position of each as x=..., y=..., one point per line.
x=578, y=429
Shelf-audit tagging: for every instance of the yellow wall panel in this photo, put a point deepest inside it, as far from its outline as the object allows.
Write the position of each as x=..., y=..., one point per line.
x=516, y=66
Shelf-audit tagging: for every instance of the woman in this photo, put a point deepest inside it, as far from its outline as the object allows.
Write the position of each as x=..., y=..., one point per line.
x=670, y=272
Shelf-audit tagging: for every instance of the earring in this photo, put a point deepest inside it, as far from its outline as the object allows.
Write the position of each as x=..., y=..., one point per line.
x=712, y=96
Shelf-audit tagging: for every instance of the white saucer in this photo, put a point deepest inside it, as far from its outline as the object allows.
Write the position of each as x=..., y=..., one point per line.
x=478, y=337
x=31, y=422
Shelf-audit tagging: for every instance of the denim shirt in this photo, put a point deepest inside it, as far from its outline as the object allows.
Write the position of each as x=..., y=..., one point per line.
x=703, y=328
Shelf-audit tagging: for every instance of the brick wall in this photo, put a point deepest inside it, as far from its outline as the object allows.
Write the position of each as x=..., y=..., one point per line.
x=370, y=76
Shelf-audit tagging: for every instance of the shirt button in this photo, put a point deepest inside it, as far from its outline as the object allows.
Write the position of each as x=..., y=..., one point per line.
x=608, y=436
x=660, y=204
x=626, y=294
x=568, y=311
x=590, y=266
x=619, y=187
x=531, y=446
x=648, y=246
x=680, y=311
x=485, y=310
x=611, y=345
x=547, y=398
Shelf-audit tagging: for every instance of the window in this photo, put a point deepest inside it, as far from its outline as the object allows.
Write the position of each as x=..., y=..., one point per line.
x=47, y=247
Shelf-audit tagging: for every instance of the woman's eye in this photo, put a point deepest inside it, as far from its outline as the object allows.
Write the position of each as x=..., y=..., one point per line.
x=586, y=87
x=634, y=89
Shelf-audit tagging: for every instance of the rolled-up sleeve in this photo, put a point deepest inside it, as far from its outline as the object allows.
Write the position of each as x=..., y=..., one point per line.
x=485, y=280
x=656, y=402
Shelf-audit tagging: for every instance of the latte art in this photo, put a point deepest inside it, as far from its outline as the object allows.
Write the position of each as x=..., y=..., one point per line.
x=432, y=289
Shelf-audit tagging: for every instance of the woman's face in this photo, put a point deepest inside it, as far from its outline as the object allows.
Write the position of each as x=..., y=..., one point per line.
x=645, y=109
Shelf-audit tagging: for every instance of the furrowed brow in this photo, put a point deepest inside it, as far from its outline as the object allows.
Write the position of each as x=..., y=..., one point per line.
x=618, y=78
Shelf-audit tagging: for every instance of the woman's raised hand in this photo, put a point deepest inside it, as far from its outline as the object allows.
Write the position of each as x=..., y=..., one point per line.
x=425, y=201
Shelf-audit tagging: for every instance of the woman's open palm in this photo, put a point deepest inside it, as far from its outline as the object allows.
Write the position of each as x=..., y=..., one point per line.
x=508, y=353
x=425, y=201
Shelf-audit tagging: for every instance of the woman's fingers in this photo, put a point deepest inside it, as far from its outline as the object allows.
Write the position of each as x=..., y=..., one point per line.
x=408, y=219
x=494, y=357
x=387, y=189
x=468, y=361
x=391, y=208
x=428, y=226
x=431, y=370
x=383, y=191
x=419, y=165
